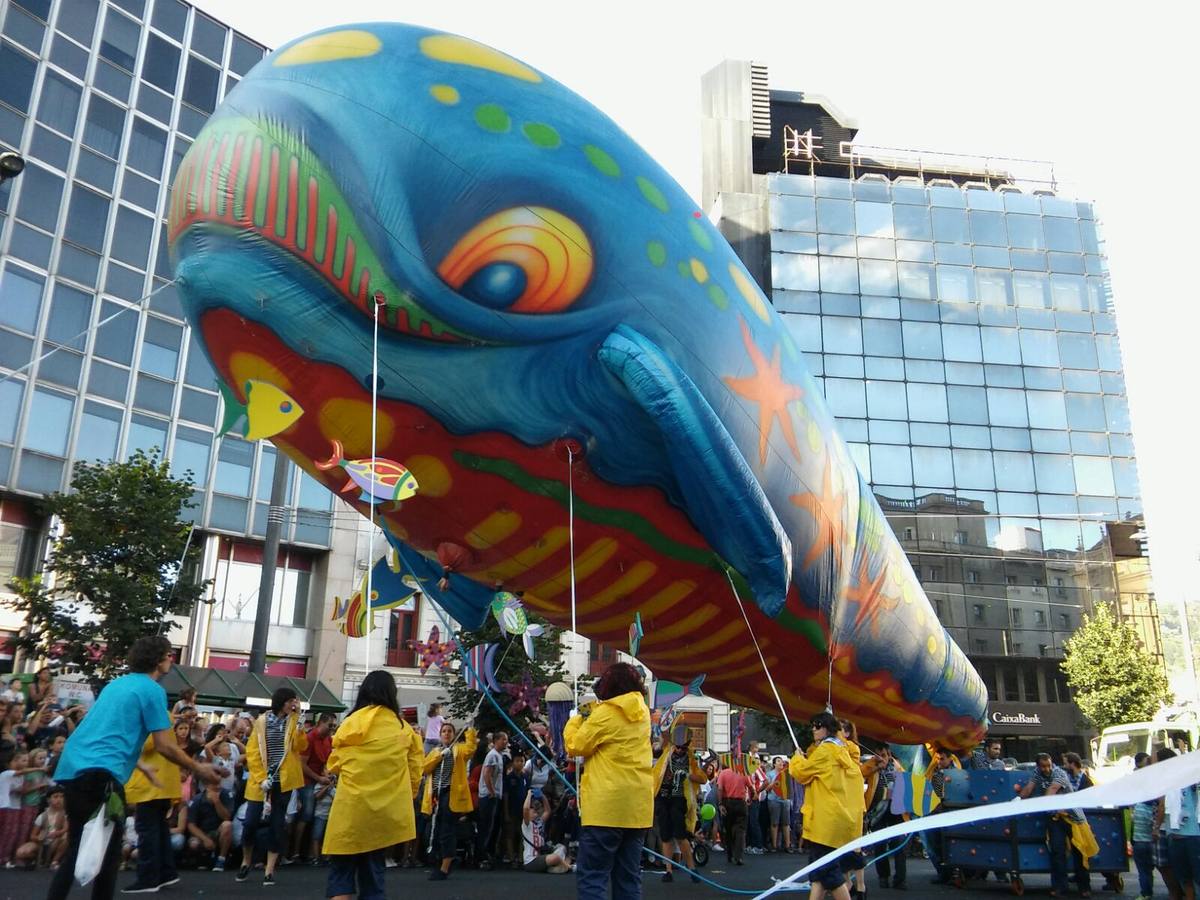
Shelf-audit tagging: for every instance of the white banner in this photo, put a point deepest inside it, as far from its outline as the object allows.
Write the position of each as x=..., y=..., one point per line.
x=1149, y=783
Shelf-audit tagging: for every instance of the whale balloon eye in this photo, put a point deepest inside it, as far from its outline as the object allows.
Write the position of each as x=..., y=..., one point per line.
x=529, y=259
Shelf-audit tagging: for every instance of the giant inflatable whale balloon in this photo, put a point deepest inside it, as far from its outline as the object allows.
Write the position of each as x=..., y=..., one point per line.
x=553, y=309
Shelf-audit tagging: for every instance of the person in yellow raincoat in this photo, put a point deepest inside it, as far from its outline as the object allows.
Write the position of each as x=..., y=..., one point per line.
x=616, y=798
x=153, y=787
x=833, y=804
x=676, y=776
x=447, y=793
x=273, y=755
x=376, y=759
x=868, y=769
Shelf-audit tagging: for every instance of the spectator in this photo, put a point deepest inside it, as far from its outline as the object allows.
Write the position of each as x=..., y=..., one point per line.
x=881, y=816
x=187, y=700
x=48, y=840
x=273, y=758
x=733, y=788
x=538, y=770
x=991, y=756
x=12, y=782
x=1178, y=816
x=832, y=803
x=1142, y=837
x=616, y=800
x=535, y=811
x=32, y=791
x=676, y=776
x=1162, y=852
x=491, y=794
x=15, y=692
x=57, y=743
x=153, y=789
x=320, y=744
x=779, y=807
x=41, y=688
x=433, y=727
x=1048, y=780
x=210, y=823
x=377, y=759
x=516, y=786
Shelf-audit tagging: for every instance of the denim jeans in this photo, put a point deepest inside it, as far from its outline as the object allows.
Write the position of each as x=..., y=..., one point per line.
x=83, y=796
x=897, y=861
x=489, y=811
x=308, y=802
x=1060, y=851
x=156, y=856
x=1184, y=853
x=277, y=842
x=754, y=837
x=367, y=868
x=609, y=854
x=1143, y=858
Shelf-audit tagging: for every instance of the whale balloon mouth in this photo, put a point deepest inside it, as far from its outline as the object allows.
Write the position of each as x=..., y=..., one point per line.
x=243, y=177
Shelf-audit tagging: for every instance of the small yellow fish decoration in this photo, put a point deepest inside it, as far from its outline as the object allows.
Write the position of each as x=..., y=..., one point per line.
x=266, y=412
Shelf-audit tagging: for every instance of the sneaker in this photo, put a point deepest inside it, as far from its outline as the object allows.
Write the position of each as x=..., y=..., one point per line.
x=138, y=888
x=268, y=879
x=315, y=861
x=174, y=879
x=718, y=848
x=219, y=865
x=667, y=878
x=438, y=875
x=288, y=860
x=390, y=863
x=243, y=873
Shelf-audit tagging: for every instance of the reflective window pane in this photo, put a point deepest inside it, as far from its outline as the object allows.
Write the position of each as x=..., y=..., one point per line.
x=927, y=402
x=1085, y=412
x=988, y=228
x=41, y=196
x=846, y=397
x=877, y=277
x=891, y=464
x=70, y=316
x=835, y=216
x=950, y=226
x=16, y=76
x=1039, y=348
x=102, y=425
x=1093, y=475
x=1062, y=234
x=915, y=280
x=201, y=84
x=961, y=342
x=108, y=381
x=244, y=55
x=1026, y=232
x=208, y=37
x=1014, y=471
x=12, y=392
x=132, y=237
x=49, y=427
x=87, y=218
x=59, y=104
x=20, y=298
x=77, y=18
x=792, y=213
x=160, y=348
x=104, y=125
x=973, y=469
x=170, y=17
x=873, y=219
x=160, y=66
x=119, y=41
x=147, y=434
x=912, y=222
x=967, y=405
x=922, y=340
x=887, y=400
x=191, y=454
x=1047, y=409
x=234, y=462
x=1006, y=407
x=882, y=338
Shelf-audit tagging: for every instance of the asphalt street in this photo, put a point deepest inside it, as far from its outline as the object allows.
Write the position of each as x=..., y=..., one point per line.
x=305, y=882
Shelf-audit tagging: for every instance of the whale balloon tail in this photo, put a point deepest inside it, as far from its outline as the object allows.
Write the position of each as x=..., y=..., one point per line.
x=335, y=459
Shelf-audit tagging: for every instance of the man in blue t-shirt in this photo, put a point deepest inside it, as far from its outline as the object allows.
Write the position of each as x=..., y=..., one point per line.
x=103, y=751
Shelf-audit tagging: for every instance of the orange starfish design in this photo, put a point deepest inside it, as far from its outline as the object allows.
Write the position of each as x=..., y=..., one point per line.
x=827, y=511
x=767, y=388
x=868, y=593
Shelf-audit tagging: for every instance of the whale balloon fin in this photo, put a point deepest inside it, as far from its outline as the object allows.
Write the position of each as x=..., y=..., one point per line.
x=723, y=497
x=464, y=600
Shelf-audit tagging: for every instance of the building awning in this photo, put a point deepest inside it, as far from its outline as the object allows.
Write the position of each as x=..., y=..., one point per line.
x=215, y=687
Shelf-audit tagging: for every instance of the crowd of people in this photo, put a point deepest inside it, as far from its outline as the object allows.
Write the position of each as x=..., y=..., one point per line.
x=256, y=791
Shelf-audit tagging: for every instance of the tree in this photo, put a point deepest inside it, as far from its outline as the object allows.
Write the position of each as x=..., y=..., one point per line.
x=511, y=666
x=1114, y=679
x=115, y=566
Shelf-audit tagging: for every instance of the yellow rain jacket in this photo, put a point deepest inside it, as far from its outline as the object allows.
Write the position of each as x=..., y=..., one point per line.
x=138, y=788
x=617, y=790
x=377, y=758
x=1082, y=838
x=460, y=789
x=833, y=801
x=290, y=775
x=689, y=788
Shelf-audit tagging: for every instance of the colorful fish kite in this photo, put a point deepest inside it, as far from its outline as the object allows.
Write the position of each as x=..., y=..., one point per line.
x=525, y=694
x=665, y=694
x=266, y=412
x=432, y=652
x=635, y=633
x=378, y=480
x=357, y=620
x=511, y=616
x=390, y=589
x=480, y=671
x=913, y=794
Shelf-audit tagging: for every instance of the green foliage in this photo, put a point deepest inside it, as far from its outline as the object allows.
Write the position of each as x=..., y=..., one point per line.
x=1112, y=676
x=773, y=731
x=112, y=568
x=511, y=665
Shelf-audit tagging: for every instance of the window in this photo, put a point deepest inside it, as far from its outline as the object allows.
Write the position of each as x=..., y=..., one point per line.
x=102, y=426
x=882, y=338
x=935, y=573
x=313, y=494
x=1039, y=617
x=842, y=335
x=70, y=316
x=846, y=397
x=950, y=225
x=160, y=66
x=1025, y=232
x=104, y=126
x=1016, y=618
x=198, y=371
x=12, y=392
x=108, y=381
x=77, y=18
x=1047, y=409
x=147, y=148
x=839, y=276
x=912, y=222
x=915, y=280
x=791, y=213
x=234, y=461
x=835, y=216
x=873, y=219
x=887, y=400
x=20, y=298
x=960, y=537
x=927, y=402
x=910, y=534
x=16, y=77
x=53, y=413
x=160, y=348
x=1062, y=234
x=1010, y=579
x=891, y=464
x=119, y=42
x=988, y=228
x=967, y=405
x=1031, y=290
x=922, y=340
x=201, y=84
x=170, y=17
x=1093, y=475
x=244, y=55
x=208, y=37
x=972, y=576
x=961, y=342
x=1064, y=621
x=192, y=449
x=877, y=276
x=41, y=196
x=59, y=106
x=154, y=395
x=147, y=434
x=977, y=612
x=981, y=646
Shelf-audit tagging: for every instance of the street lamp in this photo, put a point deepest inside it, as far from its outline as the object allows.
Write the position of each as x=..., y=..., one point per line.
x=11, y=165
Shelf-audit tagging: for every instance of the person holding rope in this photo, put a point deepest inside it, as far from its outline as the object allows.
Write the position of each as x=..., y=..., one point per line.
x=677, y=774
x=447, y=794
x=377, y=758
x=273, y=760
x=616, y=796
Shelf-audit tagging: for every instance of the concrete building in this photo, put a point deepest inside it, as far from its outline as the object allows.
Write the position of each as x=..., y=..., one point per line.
x=957, y=313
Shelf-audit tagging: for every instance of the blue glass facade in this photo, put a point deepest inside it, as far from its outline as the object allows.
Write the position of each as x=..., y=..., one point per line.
x=103, y=99
x=965, y=340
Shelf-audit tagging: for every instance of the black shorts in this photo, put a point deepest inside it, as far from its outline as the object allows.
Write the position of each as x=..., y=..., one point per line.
x=831, y=875
x=671, y=815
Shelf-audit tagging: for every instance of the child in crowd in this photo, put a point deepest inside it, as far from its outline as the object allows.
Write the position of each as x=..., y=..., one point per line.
x=48, y=840
x=539, y=856
x=323, y=800
x=14, y=694
x=129, y=842
x=32, y=791
x=12, y=781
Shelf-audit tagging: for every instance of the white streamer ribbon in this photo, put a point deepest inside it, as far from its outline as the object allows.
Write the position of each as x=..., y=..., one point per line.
x=1148, y=783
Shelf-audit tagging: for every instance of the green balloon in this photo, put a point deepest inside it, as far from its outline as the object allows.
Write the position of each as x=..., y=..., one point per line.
x=707, y=812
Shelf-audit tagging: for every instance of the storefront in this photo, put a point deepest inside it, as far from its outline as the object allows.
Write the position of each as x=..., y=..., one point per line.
x=1027, y=729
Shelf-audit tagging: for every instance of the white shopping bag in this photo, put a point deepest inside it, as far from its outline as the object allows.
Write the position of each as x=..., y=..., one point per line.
x=93, y=845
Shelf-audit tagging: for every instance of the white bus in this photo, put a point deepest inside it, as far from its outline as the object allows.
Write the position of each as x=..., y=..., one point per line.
x=1113, y=751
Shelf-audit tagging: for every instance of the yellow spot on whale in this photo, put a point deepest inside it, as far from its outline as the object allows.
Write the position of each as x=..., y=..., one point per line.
x=931, y=645
x=444, y=93
x=464, y=52
x=749, y=292
x=432, y=475
x=494, y=529
x=350, y=43
x=349, y=421
x=699, y=272
x=252, y=367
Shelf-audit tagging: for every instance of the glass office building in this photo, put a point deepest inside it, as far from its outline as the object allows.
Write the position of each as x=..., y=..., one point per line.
x=962, y=330
x=103, y=100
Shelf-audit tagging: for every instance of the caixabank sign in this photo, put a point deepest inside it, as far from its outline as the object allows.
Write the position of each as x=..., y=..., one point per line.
x=1043, y=719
